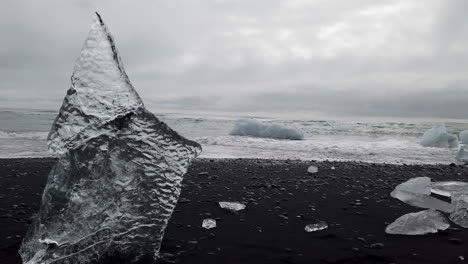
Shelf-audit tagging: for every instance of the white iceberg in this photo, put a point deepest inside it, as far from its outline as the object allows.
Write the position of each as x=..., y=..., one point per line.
x=438, y=136
x=420, y=223
x=255, y=128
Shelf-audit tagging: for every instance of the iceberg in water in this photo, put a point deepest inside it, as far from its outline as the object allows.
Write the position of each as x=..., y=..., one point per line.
x=255, y=128
x=419, y=223
x=437, y=136
x=464, y=136
x=119, y=173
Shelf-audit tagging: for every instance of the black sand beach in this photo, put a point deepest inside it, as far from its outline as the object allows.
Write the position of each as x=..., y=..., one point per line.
x=281, y=197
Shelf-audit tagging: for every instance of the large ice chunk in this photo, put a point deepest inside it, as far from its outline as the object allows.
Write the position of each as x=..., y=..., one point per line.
x=464, y=136
x=255, y=128
x=417, y=192
x=460, y=212
x=119, y=173
x=437, y=136
x=420, y=223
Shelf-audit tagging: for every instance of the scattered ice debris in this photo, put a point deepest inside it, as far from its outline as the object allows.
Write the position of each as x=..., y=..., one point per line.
x=119, y=172
x=462, y=154
x=312, y=169
x=209, y=223
x=464, y=136
x=321, y=225
x=420, y=223
x=438, y=136
x=232, y=206
x=417, y=192
x=255, y=128
x=460, y=212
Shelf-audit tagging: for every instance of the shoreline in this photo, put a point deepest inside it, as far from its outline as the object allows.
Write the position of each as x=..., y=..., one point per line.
x=281, y=198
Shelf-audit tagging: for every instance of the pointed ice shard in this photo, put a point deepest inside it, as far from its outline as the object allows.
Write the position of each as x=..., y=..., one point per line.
x=420, y=223
x=119, y=174
x=417, y=191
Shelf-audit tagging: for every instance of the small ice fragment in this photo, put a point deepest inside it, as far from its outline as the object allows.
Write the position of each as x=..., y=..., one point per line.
x=48, y=241
x=209, y=223
x=332, y=167
x=460, y=212
x=437, y=136
x=462, y=154
x=420, y=223
x=312, y=169
x=232, y=206
x=321, y=225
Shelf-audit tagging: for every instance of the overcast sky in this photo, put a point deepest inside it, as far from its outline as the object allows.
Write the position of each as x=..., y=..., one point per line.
x=327, y=57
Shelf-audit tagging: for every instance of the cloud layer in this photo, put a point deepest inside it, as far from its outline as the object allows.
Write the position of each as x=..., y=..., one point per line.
x=371, y=58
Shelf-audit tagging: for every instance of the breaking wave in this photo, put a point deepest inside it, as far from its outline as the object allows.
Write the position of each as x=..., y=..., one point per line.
x=255, y=128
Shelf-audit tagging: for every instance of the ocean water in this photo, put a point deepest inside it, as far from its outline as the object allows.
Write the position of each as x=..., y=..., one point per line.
x=23, y=133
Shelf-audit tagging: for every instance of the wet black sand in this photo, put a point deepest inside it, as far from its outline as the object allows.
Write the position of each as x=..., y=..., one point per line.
x=281, y=199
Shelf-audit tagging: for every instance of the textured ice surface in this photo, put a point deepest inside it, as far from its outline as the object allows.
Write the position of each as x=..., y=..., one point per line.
x=437, y=136
x=255, y=128
x=321, y=225
x=208, y=223
x=420, y=223
x=232, y=206
x=460, y=212
x=416, y=192
x=312, y=169
x=119, y=174
x=449, y=188
x=464, y=136
x=462, y=154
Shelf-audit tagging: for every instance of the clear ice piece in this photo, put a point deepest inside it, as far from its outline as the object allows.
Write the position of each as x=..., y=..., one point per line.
x=232, y=206
x=321, y=225
x=460, y=212
x=449, y=188
x=462, y=154
x=118, y=176
x=420, y=223
x=313, y=169
x=437, y=136
x=464, y=136
x=417, y=191
x=208, y=223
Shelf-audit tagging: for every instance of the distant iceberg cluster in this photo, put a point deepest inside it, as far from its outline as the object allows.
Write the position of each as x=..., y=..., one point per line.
x=255, y=128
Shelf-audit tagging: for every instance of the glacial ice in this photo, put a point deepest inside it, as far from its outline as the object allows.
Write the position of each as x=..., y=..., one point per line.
x=208, y=223
x=417, y=192
x=321, y=225
x=437, y=136
x=119, y=173
x=255, y=128
x=460, y=212
x=462, y=154
x=312, y=169
x=232, y=206
x=464, y=136
x=420, y=223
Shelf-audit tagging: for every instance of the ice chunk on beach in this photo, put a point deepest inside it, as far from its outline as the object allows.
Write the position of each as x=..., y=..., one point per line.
x=312, y=169
x=464, y=136
x=449, y=188
x=420, y=223
x=437, y=136
x=462, y=154
x=460, y=212
x=416, y=192
x=321, y=225
x=119, y=172
x=255, y=128
x=208, y=223
x=232, y=206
